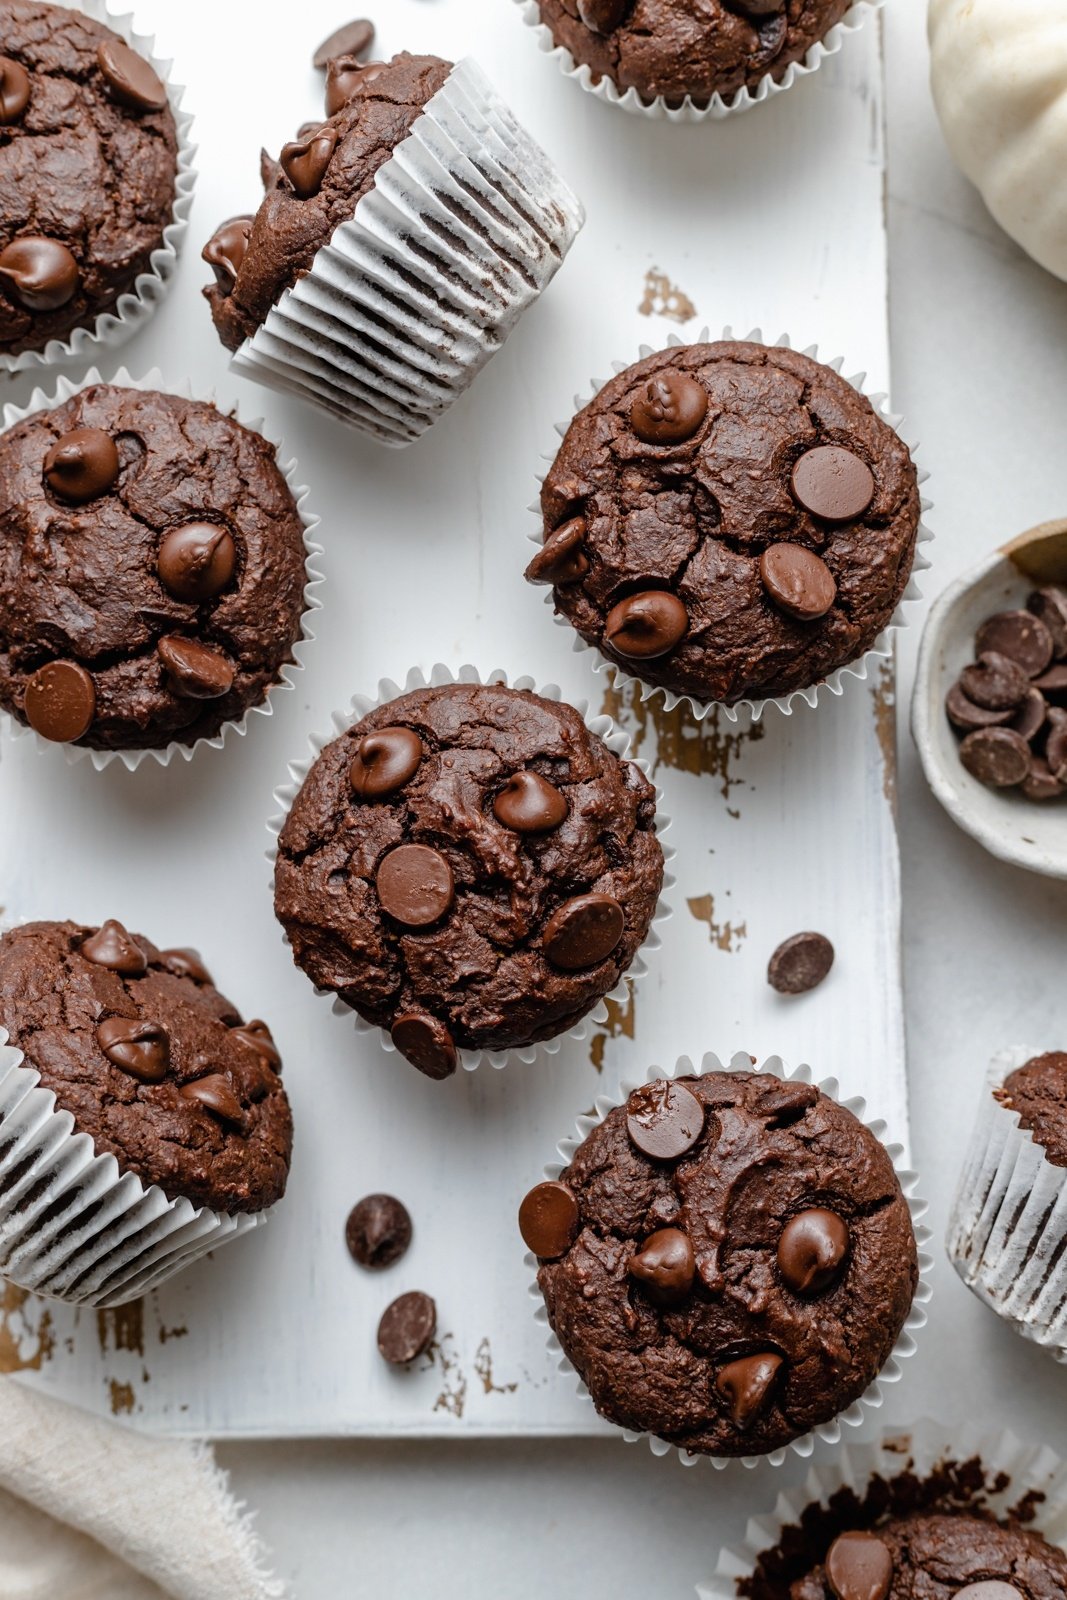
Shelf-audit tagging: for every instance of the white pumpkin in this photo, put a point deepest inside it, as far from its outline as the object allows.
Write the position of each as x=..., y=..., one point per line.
x=999, y=76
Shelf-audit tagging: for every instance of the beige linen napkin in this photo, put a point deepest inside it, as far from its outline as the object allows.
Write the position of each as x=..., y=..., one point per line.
x=92, y=1511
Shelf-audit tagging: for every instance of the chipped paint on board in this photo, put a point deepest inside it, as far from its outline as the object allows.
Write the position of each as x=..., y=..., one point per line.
x=27, y=1332
x=662, y=298
x=122, y=1328
x=123, y=1400
x=483, y=1366
x=682, y=742
x=884, y=696
x=724, y=935
x=453, y=1396
x=620, y=1023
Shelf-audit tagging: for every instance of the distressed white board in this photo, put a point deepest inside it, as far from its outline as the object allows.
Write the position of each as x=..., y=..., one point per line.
x=773, y=219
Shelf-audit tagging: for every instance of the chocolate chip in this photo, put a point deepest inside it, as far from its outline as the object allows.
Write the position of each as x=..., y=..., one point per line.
x=745, y=1385
x=407, y=1328
x=800, y=963
x=305, y=161
x=998, y=757
x=549, y=1220
x=195, y=669
x=14, y=90
x=669, y=409
x=384, y=762
x=130, y=77
x=665, y=1266
x=1039, y=783
x=783, y=1104
x=1050, y=604
x=1056, y=748
x=185, y=963
x=378, y=1231
x=111, y=946
x=664, y=1120
x=1021, y=637
x=603, y=16
x=812, y=1248
x=996, y=682
x=82, y=464
x=1054, y=681
x=798, y=581
x=426, y=1043
x=833, y=483
x=259, y=1038
x=140, y=1048
x=196, y=561
x=963, y=713
x=859, y=1567
x=215, y=1094
x=562, y=558
x=60, y=701
x=756, y=8
x=647, y=625
x=990, y=1589
x=40, y=273
x=226, y=249
x=583, y=931
x=344, y=76
x=772, y=32
x=415, y=885
x=353, y=39
x=1029, y=720
x=528, y=803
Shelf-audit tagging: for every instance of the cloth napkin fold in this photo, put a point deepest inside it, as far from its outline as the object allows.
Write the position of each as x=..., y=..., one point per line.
x=93, y=1511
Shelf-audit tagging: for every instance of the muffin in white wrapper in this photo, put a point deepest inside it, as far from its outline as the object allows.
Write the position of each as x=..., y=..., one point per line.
x=873, y=1397
x=689, y=110
x=132, y=759
x=111, y=329
x=604, y=728
x=834, y=682
x=1007, y=1235
x=466, y=224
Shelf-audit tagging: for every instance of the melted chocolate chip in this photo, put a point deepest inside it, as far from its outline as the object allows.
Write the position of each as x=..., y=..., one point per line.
x=528, y=803
x=131, y=79
x=305, y=161
x=562, y=558
x=353, y=39
x=112, y=947
x=384, y=762
x=833, y=483
x=196, y=561
x=258, y=1037
x=645, y=626
x=669, y=409
x=378, y=1232
x=603, y=16
x=1021, y=637
x=344, y=76
x=859, y=1567
x=426, y=1043
x=14, y=90
x=746, y=1384
x=549, y=1220
x=407, y=1328
x=41, y=274
x=226, y=249
x=998, y=757
x=583, y=931
x=194, y=669
x=665, y=1266
x=415, y=885
x=185, y=963
x=798, y=581
x=812, y=1248
x=800, y=963
x=140, y=1048
x=82, y=465
x=995, y=682
x=60, y=701
x=664, y=1120
x=215, y=1094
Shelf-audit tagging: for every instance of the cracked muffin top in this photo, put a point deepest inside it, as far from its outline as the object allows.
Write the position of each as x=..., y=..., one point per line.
x=729, y=520
x=88, y=161
x=727, y=1262
x=316, y=184
x=1037, y=1094
x=151, y=1061
x=675, y=48
x=151, y=570
x=469, y=867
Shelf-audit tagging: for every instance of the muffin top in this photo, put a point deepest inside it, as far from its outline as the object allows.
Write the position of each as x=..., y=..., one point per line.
x=151, y=570
x=676, y=48
x=316, y=183
x=729, y=520
x=152, y=1062
x=731, y=1261
x=469, y=866
x=88, y=160
x=1037, y=1093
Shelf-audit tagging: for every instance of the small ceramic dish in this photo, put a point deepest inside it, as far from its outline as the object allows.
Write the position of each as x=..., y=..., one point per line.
x=1024, y=833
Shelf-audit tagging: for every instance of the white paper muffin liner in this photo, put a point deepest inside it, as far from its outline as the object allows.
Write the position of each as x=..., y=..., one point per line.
x=616, y=739
x=73, y=1227
x=692, y=111
x=873, y=1397
x=922, y=1449
x=466, y=224
x=834, y=682
x=1007, y=1235
x=132, y=759
x=112, y=328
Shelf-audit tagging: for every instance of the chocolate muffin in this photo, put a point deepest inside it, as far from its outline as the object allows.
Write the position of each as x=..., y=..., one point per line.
x=88, y=164
x=314, y=186
x=727, y=1261
x=695, y=48
x=469, y=867
x=150, y=1060
x=729, y=521
x=151, y=570
x=1037, y=1094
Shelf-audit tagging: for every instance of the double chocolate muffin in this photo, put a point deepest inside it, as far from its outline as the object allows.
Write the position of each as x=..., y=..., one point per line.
x=88, y=164
x=727, y=1261
x=469, y=867
x=1037, y=1094
x=151, y=1061
x=151, y=570
x=694, y=48
x=729, y=521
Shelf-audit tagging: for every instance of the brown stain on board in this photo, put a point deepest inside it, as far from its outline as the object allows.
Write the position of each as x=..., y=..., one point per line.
x=682, y=742
x=885, y=726
x=122, y=1398
x=724, y=936
x=621, y=1020
x=483, y=1366
x=122, y=1328
x=27, y=1332
x=662, y=298
x=453, y=1396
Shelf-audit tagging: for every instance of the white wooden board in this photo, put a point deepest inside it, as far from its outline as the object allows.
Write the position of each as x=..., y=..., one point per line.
x=773, y=219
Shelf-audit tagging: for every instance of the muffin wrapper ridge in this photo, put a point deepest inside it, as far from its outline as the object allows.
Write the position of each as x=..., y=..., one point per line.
x=1008, y=1228
x=616, y=740
x=73, y=1227
x=385, y=335
x=923, y=1448
x=690, y=110
x=873, y=1397
x=132, y=759
x=834, y=682
x=131, y=311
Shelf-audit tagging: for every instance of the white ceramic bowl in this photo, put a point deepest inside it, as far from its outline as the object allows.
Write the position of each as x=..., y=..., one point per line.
x=1025, y=833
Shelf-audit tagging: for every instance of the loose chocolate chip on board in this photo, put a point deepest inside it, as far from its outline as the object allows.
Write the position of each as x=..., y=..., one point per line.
x=140, y=1048
x=112, y=947
x=304, y=161
x=528, y=803
x=215, y=1094
x=859, y=1567
x=645, y=626
x=1020, y=636
x=833, y=483
x=131, y=79
x=195, y=669
x=665, y=1266
x=800, y=963
x=82, y=465
x=60, y=701
x=549, y=1220
x=964, y=714
x=998, y=757
x=994, y=681
x=812, y=1248
x=669, y=409
x=798, y=581
x=196, y=561
x=583, y=932
x=746, y=1384
x=426, y=1043
x=1050, y=604
x=14, y=90
x=353, y=39
x=39, y=273
x=378, y=1231
x=603, y=16
x=562, y=558
x=384, y=761
x=664, y=1120
x=415, y=885
x=407, y=1328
